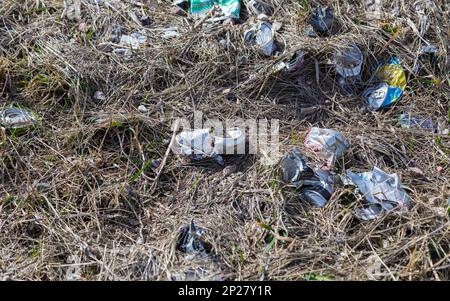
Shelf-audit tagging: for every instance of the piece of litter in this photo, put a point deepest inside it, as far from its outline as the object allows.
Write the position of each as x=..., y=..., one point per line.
x=17, y=118
x=314, y=186
x=189, y=240
x=99, y=95
x=392, y=83
x=142, y=109
x=379, y=189
x=261, y=35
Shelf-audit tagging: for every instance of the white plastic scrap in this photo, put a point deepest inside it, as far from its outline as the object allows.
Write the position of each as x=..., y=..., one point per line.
x=383, y=192
x=327, y=141
x=261, y=35
x=200, y=144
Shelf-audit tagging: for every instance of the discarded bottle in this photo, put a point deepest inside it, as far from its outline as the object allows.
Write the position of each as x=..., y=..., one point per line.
x=328, y=142
x=314, y=187
x=381, y=191
x=408, y=121
x=322, y=20
x=17, y=118
x=189, y=241
x=261, y=35
x=392, y=83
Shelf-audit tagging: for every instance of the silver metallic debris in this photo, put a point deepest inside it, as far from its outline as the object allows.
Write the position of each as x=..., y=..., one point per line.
x=201, y=144
x=261, y=35
x=314, y=186
x=17, y=118
x=328, y=142
x=348, y=61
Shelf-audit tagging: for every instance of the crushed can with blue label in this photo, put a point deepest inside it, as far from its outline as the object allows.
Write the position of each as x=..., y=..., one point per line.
x=392, y=84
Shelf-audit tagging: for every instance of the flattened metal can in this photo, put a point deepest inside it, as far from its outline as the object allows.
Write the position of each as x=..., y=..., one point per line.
x=392, y=84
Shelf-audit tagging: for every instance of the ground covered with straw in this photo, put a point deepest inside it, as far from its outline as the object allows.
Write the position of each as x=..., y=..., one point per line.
x=87, y=195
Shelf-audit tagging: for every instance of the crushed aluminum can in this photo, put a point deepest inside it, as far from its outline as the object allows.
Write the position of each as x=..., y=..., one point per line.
x=261, y=35
x=327, y=142
x=189, y=241
x=322, y=20
x=382, y=192
x=257, y=7
x=17, y=118
x=201, y=144
x=392, y=83
x=314, y=186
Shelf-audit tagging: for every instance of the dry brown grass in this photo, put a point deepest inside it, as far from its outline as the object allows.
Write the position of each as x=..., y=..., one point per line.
x=71, y=186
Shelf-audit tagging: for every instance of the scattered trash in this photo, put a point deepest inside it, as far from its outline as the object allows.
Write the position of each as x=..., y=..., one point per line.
x=99, y=95
x=408, y=121
x=72, y=9
x=132, y=41
x=170, y=32
x=322, y=20
x=295, y=62
x=17, y=118
x=277, y=26
x=416, y=172
x=257, y=7
x=146, y=20
x=427, y=55
x=83, y=27
x=329, y=142
x=392, y=84
x=220, y=10
x=142, y=109
x=261, y=35
x=116, y=33
x=201, y=144
x=348, y=62
x=382, y=192
x=314, y=187
x=189, y=240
